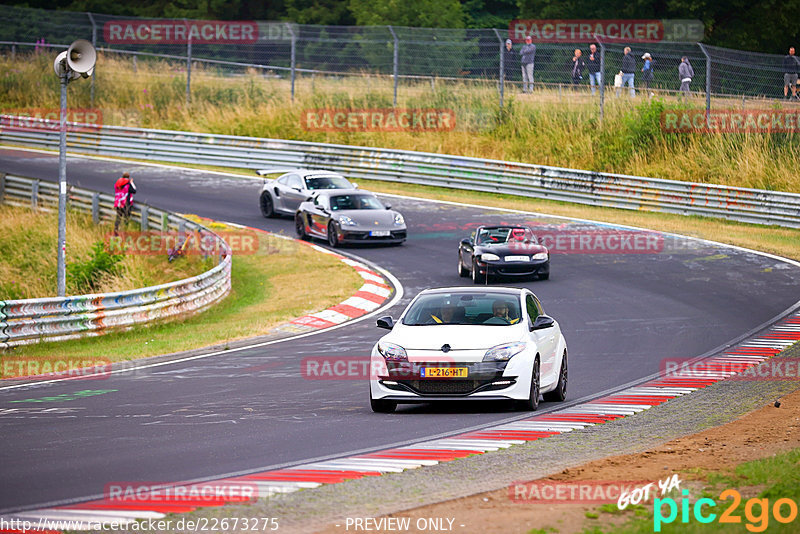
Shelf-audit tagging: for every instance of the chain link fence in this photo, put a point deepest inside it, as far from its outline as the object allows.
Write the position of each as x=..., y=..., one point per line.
x=396, y=57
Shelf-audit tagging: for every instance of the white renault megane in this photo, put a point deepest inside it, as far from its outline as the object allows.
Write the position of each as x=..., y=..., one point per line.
x=469, y=343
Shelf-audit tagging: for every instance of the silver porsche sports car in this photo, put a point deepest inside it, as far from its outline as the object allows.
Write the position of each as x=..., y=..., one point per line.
x=284, y=194
x=349, y=216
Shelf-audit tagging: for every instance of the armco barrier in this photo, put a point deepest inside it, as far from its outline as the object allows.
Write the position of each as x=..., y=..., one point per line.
x=554, y=183
x=57, y=318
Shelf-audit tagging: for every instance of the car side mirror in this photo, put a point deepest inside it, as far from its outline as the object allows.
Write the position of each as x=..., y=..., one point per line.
x=385, y=322
x=297, y=189
x=388, y=206
x=355, y=185
x=466, y=241
x=542, y=322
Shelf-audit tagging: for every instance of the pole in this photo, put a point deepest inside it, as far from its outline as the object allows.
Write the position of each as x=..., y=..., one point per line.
x=602, y=78
x=502, y=66
x=294, y=56
x=94, y=44
x=188, y=64
x=394, y=62
x=708, y=79
x=62, y=188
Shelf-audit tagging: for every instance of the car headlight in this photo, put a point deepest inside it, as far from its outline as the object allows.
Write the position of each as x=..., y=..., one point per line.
x=504, y=352
x=398, y=219
x=391, y=351
x=488, y=256
x=344, y=220
x=539, y=256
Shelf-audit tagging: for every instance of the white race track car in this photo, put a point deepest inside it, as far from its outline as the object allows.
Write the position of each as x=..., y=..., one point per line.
x=488, y=343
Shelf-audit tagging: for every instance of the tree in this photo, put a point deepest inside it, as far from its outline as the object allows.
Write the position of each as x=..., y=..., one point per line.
x=420, y=13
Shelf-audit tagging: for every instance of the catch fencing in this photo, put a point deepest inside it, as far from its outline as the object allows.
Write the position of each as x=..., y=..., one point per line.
x=457, y=172
x=404, y=55
x=58, y=318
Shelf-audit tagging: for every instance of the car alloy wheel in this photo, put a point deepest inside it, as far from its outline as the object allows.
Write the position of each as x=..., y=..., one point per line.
x=300, y=227
x=560, y=393
x=476, y=276
x=267, y=207
x=333, y=237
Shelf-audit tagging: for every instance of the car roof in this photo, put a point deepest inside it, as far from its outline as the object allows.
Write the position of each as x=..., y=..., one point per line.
x=496, y=226
x=474, y=289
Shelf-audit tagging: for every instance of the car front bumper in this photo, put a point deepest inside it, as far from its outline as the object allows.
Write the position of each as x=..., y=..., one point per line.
x=511, y=269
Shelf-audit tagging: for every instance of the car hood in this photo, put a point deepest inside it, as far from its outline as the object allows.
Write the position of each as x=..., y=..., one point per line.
x=375, y=219
x=459, y=337
x=511, y=249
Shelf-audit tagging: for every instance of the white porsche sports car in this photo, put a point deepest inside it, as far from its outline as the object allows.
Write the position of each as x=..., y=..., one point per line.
x=470, y=343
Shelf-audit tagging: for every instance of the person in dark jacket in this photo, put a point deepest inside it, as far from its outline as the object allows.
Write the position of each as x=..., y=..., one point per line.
x=791, y=66
x=628, y=70
x=593, y=66
x=578, y=66
x=685, y=73
x=508, y=59
x=124, y=189
x=527, y=57
x=647, y=72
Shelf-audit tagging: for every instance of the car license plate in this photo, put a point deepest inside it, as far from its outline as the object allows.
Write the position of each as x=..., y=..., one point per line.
x=380, y=233
x=443, y=372
x=516, y=258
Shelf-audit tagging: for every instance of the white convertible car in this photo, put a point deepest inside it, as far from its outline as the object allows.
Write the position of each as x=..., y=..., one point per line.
x=469, y=343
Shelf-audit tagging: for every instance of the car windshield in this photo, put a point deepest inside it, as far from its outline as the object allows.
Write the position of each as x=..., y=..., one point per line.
x=478, y=308
x=355, y=202
x=314, y=183
x=505, y=234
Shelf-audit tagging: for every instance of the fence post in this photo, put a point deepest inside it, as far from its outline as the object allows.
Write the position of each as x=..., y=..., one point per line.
x=13, y=52
x=35, y=194
x=96, y=208
x=135, y=64
x=708, y=79
x=188, y=64
x=145, y=213
x=602, y=78
x=164, y=221
x=395, y=66
x=2, y=186
x=502, y=66
x=294, y=48
x=94, y=44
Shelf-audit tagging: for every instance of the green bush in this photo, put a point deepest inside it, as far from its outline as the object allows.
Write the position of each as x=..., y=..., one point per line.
x=85, y=275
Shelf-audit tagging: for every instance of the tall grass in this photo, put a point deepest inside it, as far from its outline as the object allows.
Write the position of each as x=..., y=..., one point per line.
x=551, y=127
x=28, y=257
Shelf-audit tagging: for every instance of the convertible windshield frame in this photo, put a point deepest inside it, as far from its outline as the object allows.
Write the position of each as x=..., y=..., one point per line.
x=503, y=235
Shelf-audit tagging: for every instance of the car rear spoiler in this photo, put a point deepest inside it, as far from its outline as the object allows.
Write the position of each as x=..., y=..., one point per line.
x=265, y=172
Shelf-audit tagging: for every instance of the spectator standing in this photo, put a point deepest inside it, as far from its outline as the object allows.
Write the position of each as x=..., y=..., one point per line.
x=685, y=73
x=628, y=70
x=593, y=66
x=578, y=66
x=508, y=59
x=791, y=66
x=527, y=58
x=124, y=189
x=647, y=71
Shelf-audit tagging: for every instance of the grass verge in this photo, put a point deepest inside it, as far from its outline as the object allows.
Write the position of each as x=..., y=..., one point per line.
x=28, y=258
x=282, y=280
x=546, y=127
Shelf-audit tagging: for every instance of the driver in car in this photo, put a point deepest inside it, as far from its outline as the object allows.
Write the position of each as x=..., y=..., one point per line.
x=500, y=314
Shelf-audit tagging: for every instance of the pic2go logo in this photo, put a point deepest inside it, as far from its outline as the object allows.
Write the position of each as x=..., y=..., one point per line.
x=756, y=511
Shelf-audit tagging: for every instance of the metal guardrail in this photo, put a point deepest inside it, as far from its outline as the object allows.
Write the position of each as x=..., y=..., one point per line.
x=521, y=179
x=58, y=318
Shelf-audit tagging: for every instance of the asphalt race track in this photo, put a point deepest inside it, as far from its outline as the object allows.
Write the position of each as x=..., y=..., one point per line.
x=622, y=314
